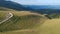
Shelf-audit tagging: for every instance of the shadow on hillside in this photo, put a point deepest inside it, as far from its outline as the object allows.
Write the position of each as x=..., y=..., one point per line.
x=22, y=22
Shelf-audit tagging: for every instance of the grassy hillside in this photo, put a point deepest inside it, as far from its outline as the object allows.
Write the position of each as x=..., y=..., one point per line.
x=22, y=23
x=2, y=15
x=5, y=9
x=50, y=27
x=54, y=15
x=25, y=22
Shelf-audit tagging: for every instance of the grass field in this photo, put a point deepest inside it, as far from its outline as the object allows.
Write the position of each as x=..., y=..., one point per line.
x=29, y=23
x=21, y=23
x=50, y=27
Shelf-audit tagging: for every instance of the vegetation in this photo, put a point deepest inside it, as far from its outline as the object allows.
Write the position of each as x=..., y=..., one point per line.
x=2, y=15
x=53, y=16
x=26, y=22
x=50, y=27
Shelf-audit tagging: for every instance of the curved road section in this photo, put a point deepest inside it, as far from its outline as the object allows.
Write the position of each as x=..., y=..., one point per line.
x=8, y=16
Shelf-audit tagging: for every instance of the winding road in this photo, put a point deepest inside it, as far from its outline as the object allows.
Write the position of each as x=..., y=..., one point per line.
x=8, y=16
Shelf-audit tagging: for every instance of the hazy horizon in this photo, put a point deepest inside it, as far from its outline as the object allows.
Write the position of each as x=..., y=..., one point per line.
x=37, y=2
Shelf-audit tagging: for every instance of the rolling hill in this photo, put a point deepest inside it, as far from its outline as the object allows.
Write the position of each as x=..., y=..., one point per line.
x=50, y=27
x=27, y=22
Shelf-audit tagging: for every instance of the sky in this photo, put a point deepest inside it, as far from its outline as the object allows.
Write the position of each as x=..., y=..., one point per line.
x=38, y=2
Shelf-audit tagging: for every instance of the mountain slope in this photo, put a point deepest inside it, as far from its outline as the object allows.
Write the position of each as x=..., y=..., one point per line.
x=6, y=9
x=22, y=21
x=50, y=27
x=11, y=5
x=29, y=23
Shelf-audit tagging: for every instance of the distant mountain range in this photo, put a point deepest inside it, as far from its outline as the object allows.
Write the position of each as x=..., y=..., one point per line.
x=43, y=6
x=44, y=9
x=11, y=5
x=16, y=6
x=34, y=8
